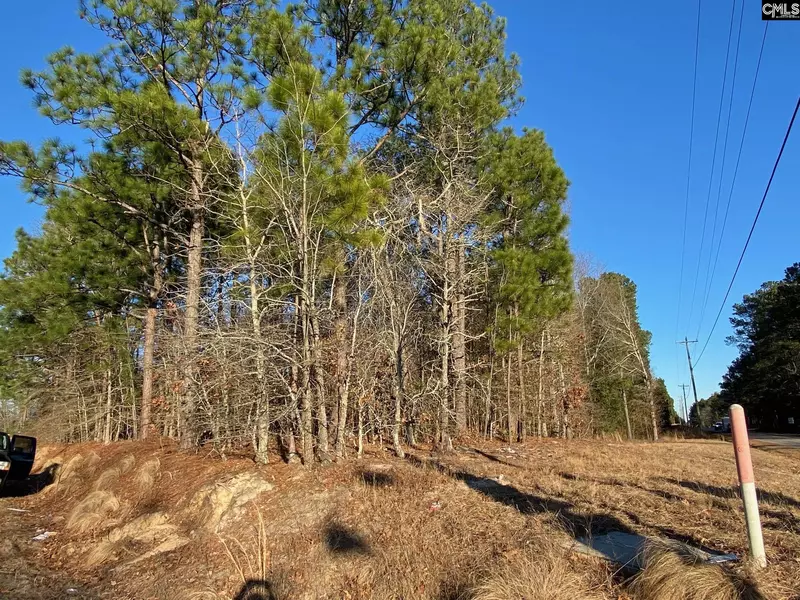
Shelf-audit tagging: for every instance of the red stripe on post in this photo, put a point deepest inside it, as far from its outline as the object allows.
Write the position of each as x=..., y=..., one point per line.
x=741, y=445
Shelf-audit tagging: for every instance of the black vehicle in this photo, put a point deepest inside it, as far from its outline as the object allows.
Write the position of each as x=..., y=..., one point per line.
x=16, y=457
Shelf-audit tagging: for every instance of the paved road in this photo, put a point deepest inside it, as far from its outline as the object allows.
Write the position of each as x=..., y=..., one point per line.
x=775, y=440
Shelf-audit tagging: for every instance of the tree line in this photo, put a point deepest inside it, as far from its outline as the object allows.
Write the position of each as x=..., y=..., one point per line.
x=765, y=377
x=305, y=227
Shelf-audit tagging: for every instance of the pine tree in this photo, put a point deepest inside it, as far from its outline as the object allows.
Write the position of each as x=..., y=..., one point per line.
x=72, y=284
x=764, y=378
x=530, y=251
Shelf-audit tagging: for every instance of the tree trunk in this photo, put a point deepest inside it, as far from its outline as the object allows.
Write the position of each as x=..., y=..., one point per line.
x=512, y=419
x=318, y=377
x=398, y=392
x=360, y=427
x=322, y=423
x=540, y=398
x=147, y=371
x=653, y=416
x=291, y=448
x=487, y=409
x=459, y=341
x=262, y=416
x=262, y=405
x=521, y=391
x=109, y=404
x=627, y=414
x=487, y=423
x=306, y=403
x=193, y=286
x=150, y=341
x=563, y=403
x=444, y=442
x=306, y=421
x=340, y=339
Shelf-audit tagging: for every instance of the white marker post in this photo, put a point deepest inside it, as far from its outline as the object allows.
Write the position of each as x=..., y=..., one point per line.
x=744, y=466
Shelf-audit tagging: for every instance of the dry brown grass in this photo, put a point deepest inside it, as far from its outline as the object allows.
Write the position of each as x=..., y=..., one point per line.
x=250, y=559
x=461, y=526
x=91, y=460
x=672, y=573
x=93, y=511
x=126, y=463
x=147, y=475
x=69, y=469
x=151, y=530
x=106, y=479
x=543, y=573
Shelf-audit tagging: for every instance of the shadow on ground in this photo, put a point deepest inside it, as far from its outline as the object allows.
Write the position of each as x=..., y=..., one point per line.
x=257, y=589
x=343, y=540
x=619, y=483
x=733, y=492
x=494, y=458
x=376, y=479
x=578, y=524
x=32, y=485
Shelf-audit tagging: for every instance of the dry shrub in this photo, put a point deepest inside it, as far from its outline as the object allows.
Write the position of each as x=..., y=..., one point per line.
x=546, y=574
x=106, y=479
x=92, y=511
x=672, y=572
x=147, y=474
x=253, y=562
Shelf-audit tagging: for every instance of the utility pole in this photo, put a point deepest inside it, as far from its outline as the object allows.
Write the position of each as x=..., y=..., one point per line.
x=685, y=408
x=686, y=343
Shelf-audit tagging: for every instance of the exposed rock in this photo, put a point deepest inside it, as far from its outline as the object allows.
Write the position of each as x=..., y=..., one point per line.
x=149, y=529
x=223, y=500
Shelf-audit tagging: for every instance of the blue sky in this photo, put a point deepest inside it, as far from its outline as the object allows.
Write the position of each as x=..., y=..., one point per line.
x=611, y=86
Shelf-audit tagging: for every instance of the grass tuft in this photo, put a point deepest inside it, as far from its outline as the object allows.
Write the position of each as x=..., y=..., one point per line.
x=92, y=511
x=147, y=474
x=671, y=572
x=544, y=574
x=106, y=479
x=127, y=463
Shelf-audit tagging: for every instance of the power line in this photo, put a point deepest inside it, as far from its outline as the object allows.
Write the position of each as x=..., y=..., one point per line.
x=738, y=160
x=689, y=166
x=713, y=165
x=752, y=228
x=706, y=292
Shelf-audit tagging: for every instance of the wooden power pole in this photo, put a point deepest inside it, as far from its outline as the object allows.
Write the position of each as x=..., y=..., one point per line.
x=685, y=408
x=686, y=343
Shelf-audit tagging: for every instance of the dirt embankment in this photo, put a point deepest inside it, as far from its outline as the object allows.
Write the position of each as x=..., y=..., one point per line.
x=144, y=521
